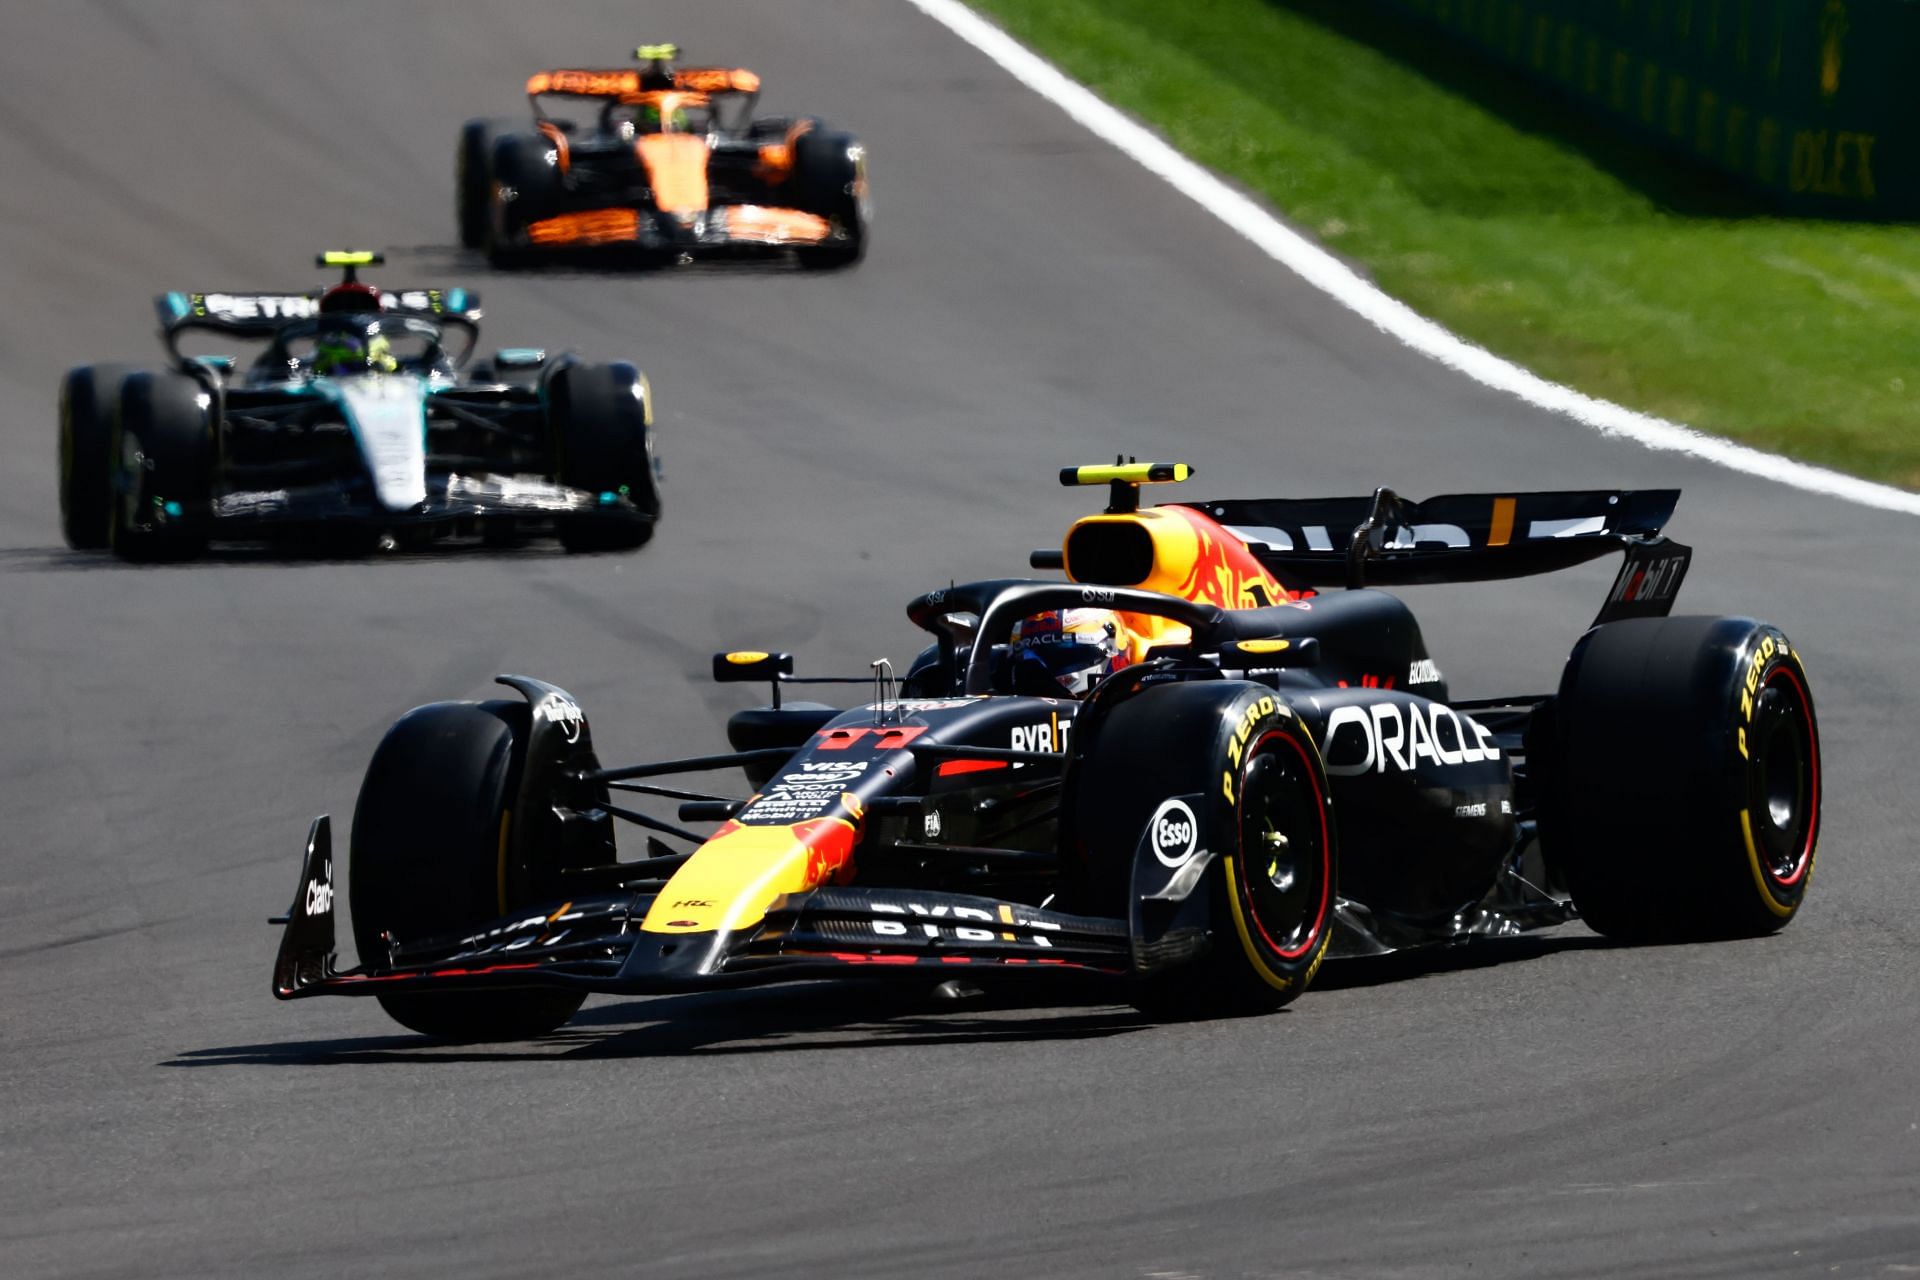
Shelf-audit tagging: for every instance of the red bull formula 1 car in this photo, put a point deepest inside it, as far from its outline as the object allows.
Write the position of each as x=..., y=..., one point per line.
x=667, y=162
x=1190, y=765
x=362, y=419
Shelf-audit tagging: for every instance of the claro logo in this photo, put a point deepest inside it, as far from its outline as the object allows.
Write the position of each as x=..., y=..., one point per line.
x=320, y=892
x=1393, y=737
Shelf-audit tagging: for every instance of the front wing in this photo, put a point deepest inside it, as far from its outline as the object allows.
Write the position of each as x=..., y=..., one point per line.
x=718, y=229
x=597, y=944
x=449, y=498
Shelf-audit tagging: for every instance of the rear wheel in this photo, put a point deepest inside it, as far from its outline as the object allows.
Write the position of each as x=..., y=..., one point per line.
x=602, y=423
x=1684, y=795
x=88, y=396
x=1233, y=760
x=427, y=859
x=162, y=464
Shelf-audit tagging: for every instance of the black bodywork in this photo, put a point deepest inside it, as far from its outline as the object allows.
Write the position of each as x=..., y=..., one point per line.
x=431, y=445
x=960, y=796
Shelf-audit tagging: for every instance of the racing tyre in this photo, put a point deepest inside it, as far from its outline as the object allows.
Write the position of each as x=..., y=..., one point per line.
x=473, y=181
x=429, y=833
x=830, y=176
x=523, y=187
x=602, y=423
x=88, y=396
x=162, y=466
x=1683, y=799
x=1231, y=760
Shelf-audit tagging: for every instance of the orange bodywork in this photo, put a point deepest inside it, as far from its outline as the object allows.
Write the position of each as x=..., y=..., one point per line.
x=676, y=165
x=776, y=158
x=594, y=226
x=584, y=84
x=619, y=83
x=758, y=225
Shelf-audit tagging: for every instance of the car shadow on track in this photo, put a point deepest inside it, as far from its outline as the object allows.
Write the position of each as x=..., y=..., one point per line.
x=812, y=1017
x=451, y=260
x=802, y=1017
x=1480, y=953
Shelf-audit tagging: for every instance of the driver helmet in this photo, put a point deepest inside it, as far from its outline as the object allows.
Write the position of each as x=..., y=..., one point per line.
x=349, y=296
x=652, y=120
x=1066, y=650
x=342, y=351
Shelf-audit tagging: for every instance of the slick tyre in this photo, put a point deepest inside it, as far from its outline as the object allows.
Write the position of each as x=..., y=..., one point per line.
x=161, y=459
x=429, y=835
x=830, y=175
x=523, y=187
x=1683, y=797
x=1262, y=808
x=602, y=424
x=88, y=398
x=473, y=181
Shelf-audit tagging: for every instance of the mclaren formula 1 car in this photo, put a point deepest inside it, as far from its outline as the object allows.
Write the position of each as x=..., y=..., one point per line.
x=360, y=423
x=667, y=162
x=1265, y=774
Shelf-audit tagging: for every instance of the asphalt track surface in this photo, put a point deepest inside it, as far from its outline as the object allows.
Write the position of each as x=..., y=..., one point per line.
x=835, y=444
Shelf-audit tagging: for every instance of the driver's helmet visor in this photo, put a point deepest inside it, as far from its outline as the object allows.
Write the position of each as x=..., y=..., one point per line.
x=653, y=118
x=1076, y=647
x=343, y=351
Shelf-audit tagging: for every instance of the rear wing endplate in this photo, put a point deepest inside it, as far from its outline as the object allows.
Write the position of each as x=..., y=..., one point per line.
x=1386, y=540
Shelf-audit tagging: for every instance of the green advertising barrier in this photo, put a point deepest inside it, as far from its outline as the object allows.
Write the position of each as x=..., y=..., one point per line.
x=1814, y=101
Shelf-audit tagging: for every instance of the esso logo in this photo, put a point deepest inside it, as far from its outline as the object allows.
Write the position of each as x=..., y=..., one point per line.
x=1174, y=833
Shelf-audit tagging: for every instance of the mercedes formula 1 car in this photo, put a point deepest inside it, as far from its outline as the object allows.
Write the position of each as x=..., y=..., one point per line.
x=1191, y=765
x=667, y=162
x=360, y=423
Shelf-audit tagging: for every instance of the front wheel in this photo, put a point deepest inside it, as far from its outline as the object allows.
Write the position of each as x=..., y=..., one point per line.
x=1220, y=769
x=1683, y=795
x=428, y=859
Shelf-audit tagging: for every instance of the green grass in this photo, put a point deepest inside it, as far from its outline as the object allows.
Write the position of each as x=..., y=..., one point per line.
x=1523, y=226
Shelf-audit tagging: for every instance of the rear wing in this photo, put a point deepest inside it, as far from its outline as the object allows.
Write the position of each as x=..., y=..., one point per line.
x=1386, y=540
x=622, y=82
x=259, y=315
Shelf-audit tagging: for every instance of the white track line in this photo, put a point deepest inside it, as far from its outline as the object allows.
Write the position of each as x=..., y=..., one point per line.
x=1338, y=281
